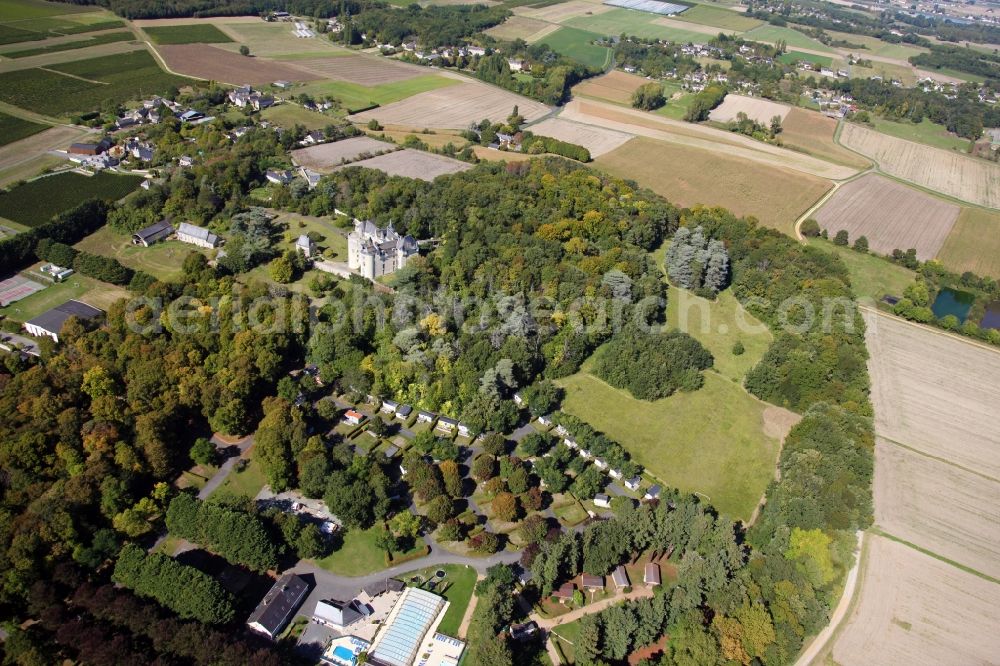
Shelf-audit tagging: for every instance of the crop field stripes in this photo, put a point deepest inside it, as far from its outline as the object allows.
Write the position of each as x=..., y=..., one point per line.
x=875, y=529
x=939, y=459
x=74, y=76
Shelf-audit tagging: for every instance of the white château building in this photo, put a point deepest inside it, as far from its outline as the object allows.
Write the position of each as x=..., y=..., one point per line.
x=374, y=252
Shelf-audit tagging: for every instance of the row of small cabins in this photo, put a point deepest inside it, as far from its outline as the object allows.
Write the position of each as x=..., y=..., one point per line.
x=619, y=577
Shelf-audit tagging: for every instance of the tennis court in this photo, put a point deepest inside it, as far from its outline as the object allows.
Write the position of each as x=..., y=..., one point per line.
x=17, y=287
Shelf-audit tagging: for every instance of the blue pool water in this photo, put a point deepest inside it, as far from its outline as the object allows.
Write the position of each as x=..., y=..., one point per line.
x=345, y=654
x=953, y=302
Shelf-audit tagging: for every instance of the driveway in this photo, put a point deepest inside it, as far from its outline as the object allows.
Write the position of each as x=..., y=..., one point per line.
x=242, y=445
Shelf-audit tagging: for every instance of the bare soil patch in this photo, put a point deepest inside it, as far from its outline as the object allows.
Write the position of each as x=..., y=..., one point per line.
x=966, y=178
x=778, y=421
x=522, y=27
x=361, y=69
x=756, y=108
x=938, y=506
x=935, y=392
x=812, y=132
x=615, y=86
x=914, y=609
x=454, y=107
x=597, y=140
x=563, y=11
x=414, y=164
x=326, y=156
x=207, y=62
x=890, y=214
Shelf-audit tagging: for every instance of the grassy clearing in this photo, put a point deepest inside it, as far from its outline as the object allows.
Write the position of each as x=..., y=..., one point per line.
x=718, y=18
x=195, y=33
x=247, y=482
x=578, y=45
x=358, y=555
x=793, y=38
x=78, y=287
x=871, y=276
x=116, y=78
x=638, y=24
x=974, y=243
x=163, y=260
x=290, y=115
x=718, y=325
x=36, y=202
x=354, y=96
x=14, y=129
x=109, y=38
x=709, y=441
x=876, y=46
x=678, y=102
x=924, y=132
x=776, y=197
x=459, y=582
x=903, y=73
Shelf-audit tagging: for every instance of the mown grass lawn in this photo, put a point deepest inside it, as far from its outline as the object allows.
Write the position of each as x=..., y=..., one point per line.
x=710, y=441
x=459, y=583
x=163, y=260
x=871, y=276
x=358, y=555
x=78, y=287
x=578, y=45
x=354, y=96
x=247, y=482
x=195, y=33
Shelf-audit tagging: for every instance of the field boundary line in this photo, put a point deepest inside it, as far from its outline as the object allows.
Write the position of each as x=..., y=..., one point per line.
x=73, y=76
x=823, y=199
x=161, y=61
x=930, y=553
x=844, y=607
x=931, y=329
x=938, y=459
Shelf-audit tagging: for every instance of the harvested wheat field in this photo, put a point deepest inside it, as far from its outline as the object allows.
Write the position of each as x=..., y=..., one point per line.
x=760, y=110
x=890, y=214
x=563, y=11
x=938, y=506
x=914, y=609
x=974, y=243
x=414, y=164
x=361, y=69
x=812, y=132
x=325, y=156
x=615, y=86
x=966, y=178
x=522, y=27
x=720, y=141
x=595, y=139
x=935, y=393
x=454, y=107
x=207, y=62
x=687, y=176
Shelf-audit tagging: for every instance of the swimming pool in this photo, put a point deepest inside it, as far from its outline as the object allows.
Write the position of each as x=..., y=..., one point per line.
x=345, y=655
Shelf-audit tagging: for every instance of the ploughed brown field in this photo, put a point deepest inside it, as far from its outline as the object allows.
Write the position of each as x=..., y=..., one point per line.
x=890, y=215
x=207, y=62
x=414, y=164
x=813, y=132
x=966, y=178
x=364, y=70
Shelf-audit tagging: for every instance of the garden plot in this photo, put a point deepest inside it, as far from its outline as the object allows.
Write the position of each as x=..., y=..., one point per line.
x=937, y=506
x=414, y=164
x=890, y=215
x=326, y=156
x=935, y=393
x=966, y=178
x=595, y=139
x=915, y=610
x=361, y=69
x=454, y=107
x=214, y=64
x=760, y=110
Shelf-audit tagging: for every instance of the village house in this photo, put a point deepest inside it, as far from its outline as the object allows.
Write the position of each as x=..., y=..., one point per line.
x=245, y=96
x=195, y=235
x=592, y=583
x=464, y=430
x=653, y=492
x=50, y=323
x=279, y=177
x=57, y=273
x=603, y=501
x=633, y=483
x=545, y=421
x=154, y=232
x=312, y=178
x=353, y=417
x=336, y=614
x=518, y=400
x=404, y=412
x=185, y=161
x=90, y=148
x=446, y=425
x=278, y=606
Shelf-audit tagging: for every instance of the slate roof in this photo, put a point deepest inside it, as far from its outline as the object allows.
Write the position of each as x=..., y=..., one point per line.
x=54, y=319
x=279, y=604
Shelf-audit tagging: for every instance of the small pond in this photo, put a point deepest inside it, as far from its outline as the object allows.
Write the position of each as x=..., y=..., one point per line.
x=992, y=317
x=953, y=302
